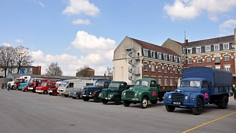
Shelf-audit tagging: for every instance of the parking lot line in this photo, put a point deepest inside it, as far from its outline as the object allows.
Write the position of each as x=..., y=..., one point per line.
x=203, y=124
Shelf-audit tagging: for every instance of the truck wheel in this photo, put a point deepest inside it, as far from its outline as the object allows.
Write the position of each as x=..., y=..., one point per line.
x=198, y=110
x=144, y=103
x=170, y=108
x=66, y=95
x=223, y=102
x=153, y=101
x=117, y=100
x=126, y=103
x=96, y=99
x=85, y=98
x=104, y=101
x=45, y=92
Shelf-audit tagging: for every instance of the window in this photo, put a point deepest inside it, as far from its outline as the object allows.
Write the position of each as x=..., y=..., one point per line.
x=199, y=60
x=207, y=48
x=189, y=51
x=208, y=59
x=170, y=57
x=165, y=81
x=226, y=46
x=159, y=68
x=190, y=61
x=153, y=54
x=171, y=81
x=153, y=67
x=217, y=60
x=145, y=52
x=176, y=70
x=216, y=47
x=227, y=68
x=204, y=84
x=165, y=69
x=198, y=50
x=226, y=57
x=159, y=80
x=217, y=67
x=159, y=56
x=170, y=69
x=176, y=59
x=145, y=66
x=165, y=57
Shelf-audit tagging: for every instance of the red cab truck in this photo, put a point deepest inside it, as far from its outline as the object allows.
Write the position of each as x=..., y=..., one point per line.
x=45, y=85
x=53, y=90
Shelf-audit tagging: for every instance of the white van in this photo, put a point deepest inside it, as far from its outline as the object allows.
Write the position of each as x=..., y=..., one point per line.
x=73, y=84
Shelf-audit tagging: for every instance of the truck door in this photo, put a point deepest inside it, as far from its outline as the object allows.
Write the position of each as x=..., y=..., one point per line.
x=153, y=90
x=205, y=91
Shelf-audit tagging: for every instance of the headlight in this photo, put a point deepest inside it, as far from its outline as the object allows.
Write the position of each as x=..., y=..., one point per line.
x=186, y=97
x=169, y=96
x=90, y=93
x=124, y=93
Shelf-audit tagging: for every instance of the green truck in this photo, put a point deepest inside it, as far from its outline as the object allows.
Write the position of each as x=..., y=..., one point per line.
x=113, y=92
x=144, y=90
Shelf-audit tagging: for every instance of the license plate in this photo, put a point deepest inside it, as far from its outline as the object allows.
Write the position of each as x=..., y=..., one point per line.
x=176, y=103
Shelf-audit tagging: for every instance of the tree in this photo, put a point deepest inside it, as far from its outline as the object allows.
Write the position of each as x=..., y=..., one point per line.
x=54, y=70
x=6, y=55
x=108, y=72
x=22, y=57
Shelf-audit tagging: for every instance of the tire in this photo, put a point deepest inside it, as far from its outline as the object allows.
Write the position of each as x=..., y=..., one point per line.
x=144, y=103
x=66, y=95
x=126, y=103
x=45, y=92
x=95, y=98
x=170, y=108
x=153, y=101
x=117, y=100
x=198, y=110
x=85, y=98
x=223, y=102
x=104, y=101
x=73, y=97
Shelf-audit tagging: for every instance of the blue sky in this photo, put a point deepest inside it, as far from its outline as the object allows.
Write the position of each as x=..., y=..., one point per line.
x=75, y=33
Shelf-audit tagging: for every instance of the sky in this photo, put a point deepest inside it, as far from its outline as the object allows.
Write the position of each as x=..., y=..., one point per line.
x=78, y=33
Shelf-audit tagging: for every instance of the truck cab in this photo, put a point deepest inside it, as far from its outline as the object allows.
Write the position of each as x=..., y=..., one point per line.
x=200, y=86
x=92, y=92
x=144, y=90
x=53, y=89
x=45, y=85
x=113, y=92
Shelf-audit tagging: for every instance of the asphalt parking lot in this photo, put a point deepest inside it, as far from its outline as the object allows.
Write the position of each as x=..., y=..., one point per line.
x=27, y=112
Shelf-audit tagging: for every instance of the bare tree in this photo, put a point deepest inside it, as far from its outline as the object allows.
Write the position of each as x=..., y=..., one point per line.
x=6, y=55
x=54, y=70
x=22, y=57
x=108, y=72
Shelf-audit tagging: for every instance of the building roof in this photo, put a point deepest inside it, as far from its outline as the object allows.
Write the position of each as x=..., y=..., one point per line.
x=211, y=41
x=155, y=47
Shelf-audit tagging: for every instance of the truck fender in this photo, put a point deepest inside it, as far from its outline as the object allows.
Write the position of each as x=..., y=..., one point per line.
x=98, y=91
x=199, y=96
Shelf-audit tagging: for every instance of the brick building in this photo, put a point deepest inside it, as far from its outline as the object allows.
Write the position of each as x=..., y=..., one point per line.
x=87, y=72
x=135, y=59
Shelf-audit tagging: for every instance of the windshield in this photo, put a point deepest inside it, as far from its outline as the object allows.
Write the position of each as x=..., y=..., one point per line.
x=99, y=83
x=44, y=83
x=141, y=83
x=190, y=83
x=64, y=84
x=114, y=85
x=57, y=84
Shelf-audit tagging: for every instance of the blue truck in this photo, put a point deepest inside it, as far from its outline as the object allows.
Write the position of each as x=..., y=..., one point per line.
x=92, y=92
x=200, y=86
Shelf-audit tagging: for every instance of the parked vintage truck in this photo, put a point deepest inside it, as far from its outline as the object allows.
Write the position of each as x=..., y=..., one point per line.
x=92, y=92
x=45, y=85
x=73, y=84
x=53, y=89
x=200, y=86
x=144, y=90
x=113, y=92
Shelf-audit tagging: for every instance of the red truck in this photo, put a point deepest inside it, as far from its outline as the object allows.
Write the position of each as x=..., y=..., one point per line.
x=53, y=90
x=44, y=86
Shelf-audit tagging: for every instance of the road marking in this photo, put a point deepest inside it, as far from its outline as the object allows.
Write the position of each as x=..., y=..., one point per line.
x=203, y=124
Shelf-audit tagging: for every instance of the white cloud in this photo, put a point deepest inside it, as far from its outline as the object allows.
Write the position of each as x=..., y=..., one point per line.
x=18, y=41
x=81, y=6
x=81, y=21
x=7, y=44
x=41, y=4
x=227, y=27
x=188, y=9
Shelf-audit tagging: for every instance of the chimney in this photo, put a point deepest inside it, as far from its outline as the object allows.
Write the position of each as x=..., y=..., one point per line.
x=235, y=36
x=186, y=42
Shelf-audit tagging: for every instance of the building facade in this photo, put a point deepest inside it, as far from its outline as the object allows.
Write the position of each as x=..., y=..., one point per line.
x=134, y=59
x=216, y=53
